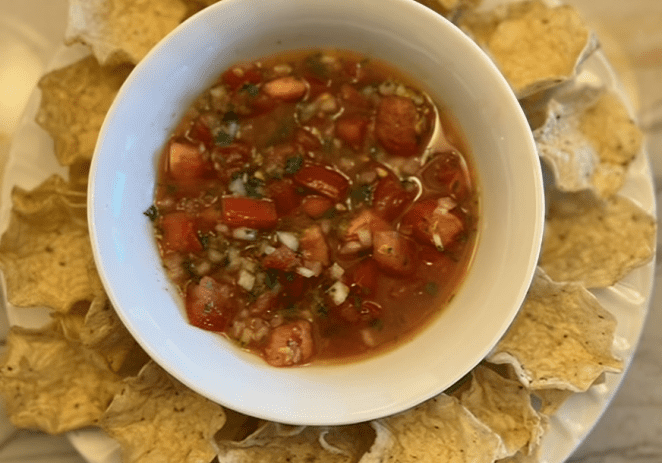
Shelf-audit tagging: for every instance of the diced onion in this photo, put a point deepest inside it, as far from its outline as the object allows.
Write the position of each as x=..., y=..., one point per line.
x=305, y=272
x=269, y=249
x=243, y=233
x=237, y=187
x=246, y=280
x=288, y=239
x=350, y=247
x=336, y=271
x=365, y=237
x=339, y=292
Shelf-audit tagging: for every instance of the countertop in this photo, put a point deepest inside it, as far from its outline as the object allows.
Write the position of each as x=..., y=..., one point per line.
x=631, y=36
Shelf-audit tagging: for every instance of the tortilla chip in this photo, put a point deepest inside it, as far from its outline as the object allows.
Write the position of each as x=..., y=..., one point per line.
x=438, y=430
x=45, y=253
x=121, y=31
x=562, y=338
x=552, y=399
x=450, y=8
x=74, y=103
x=504, y=405
x=535, y=46
x=157, y=419
x=273, y=442
x=593, y=242
x=53, y=384
x=588, y=144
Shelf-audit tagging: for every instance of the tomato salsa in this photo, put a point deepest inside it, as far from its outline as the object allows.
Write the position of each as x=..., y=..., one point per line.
x=315, y=205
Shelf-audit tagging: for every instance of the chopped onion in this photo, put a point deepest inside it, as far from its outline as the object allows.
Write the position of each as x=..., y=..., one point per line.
x=305, y=272
x=289, y=239
x=365, y=237
x=339, y=292
x=237, y=187
x=336, y=271
x=446, y=204
x=246, y=280
x=350, y=247
x=243, y=233
x=269, y=249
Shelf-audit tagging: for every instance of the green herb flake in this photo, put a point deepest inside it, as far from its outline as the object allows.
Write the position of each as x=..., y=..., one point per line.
x=251, y=89
x=230, y=116
x=271, y=278
x=322, y=310
x=223, y=139
x=293, y=164
x=377, y=324
x=431, y=288
x=152, y=212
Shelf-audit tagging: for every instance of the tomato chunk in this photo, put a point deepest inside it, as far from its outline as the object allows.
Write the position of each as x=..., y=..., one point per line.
x=290, y=344
x=364, y=276
x=324, y=180
x=390, y=199
x=316, y=206
x=283, y=258
x=210, y=304
x=185, y=160
x=284, y=195
x=179, y=232
x=394, y=253
x=431, y=222
x=313, y=245
x=285, y=88
x=395, y=126
x=249, y=212
x=352, y=130
x=240, y=75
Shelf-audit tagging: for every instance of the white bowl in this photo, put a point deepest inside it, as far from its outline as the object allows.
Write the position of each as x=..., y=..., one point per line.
x=453, y=69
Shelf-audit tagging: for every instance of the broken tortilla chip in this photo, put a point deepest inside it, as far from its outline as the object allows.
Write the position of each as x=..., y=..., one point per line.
x=562, y=338
x=595, y=242
x=53, y=384
x=74, y=103
x=440, y=429
x=273, y=442
x=122, y=31
x=45, y=253
x=155, y=418
x=551, y=399
x=535, y=46
x=504, y=405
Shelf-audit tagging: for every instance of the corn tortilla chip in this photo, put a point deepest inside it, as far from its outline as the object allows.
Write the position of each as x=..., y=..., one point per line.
x=551, y=399
x=562, y=338
x=53, y=384
x=504, y=405
x=121, y=31
x=273, y=442
x=438, y=430
x=535, y=46
x=594, y=242
x=74, y=103
x=45, y=253
x=157, y=419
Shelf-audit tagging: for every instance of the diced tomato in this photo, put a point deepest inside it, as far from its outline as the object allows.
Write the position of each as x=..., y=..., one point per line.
x=365, y=220
x=275, y=158
x=447, y=174
x=364, y=276
x=201, y=129
x=210, y=304
x=209, y=217
x=239, y=75
x=390, y=199
x=394, y=253
x=249, y=212
x=358, y=309
x=395, y=126
x=290, y=344
x=324, y=180
x=352, y=130
x=265, y=302
x=283, y=258
x=284, y=196
x=185, y=160
x=316, y=206
x=179, y=232
x=352, y=100
x=313, y=245
x=228, y=160
x=430, y=222
x=294, y=287
x=306, y=140
x=287, y=88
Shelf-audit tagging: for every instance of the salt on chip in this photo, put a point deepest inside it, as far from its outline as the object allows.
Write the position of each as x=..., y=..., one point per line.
x=45, y=253
x=122, y=31
x=157, y=419
x=273, y=442
x=562, y=338
x=595, y=242
x=53, y=384
x=504, y=405
x=588, y=146
x=535, y=46
x=440, y=429
x=74, y=103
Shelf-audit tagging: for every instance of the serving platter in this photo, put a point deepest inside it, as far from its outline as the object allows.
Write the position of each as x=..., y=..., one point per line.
x=31, y=160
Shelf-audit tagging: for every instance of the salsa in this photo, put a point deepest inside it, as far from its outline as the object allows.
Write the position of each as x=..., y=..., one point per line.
x=315, y=205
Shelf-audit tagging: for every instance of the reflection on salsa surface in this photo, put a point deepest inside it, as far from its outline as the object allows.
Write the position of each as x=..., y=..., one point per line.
x=315, y=206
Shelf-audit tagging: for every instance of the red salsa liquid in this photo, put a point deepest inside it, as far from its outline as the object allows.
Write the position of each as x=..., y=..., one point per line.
x=315, y=206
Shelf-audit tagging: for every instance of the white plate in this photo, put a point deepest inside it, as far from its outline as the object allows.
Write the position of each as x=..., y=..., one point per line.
x=31, y=160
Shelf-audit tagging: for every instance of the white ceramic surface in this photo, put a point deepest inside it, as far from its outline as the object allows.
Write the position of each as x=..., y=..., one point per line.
x=454, y=71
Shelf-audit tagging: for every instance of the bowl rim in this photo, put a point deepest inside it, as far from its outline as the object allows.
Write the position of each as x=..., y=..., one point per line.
x=291, y=412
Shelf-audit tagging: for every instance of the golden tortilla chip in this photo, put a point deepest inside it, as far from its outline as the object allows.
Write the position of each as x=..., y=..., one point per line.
x=438, y=430
x=562, y=338
x=552, y=399
x=45, y=253
x=122, y=31
x=53, y=384
x=588, y=144
x=74, y=103
x=504, y=405
x=535, y=46
x=276, y=443
x=593, y=242
x=157, y=419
